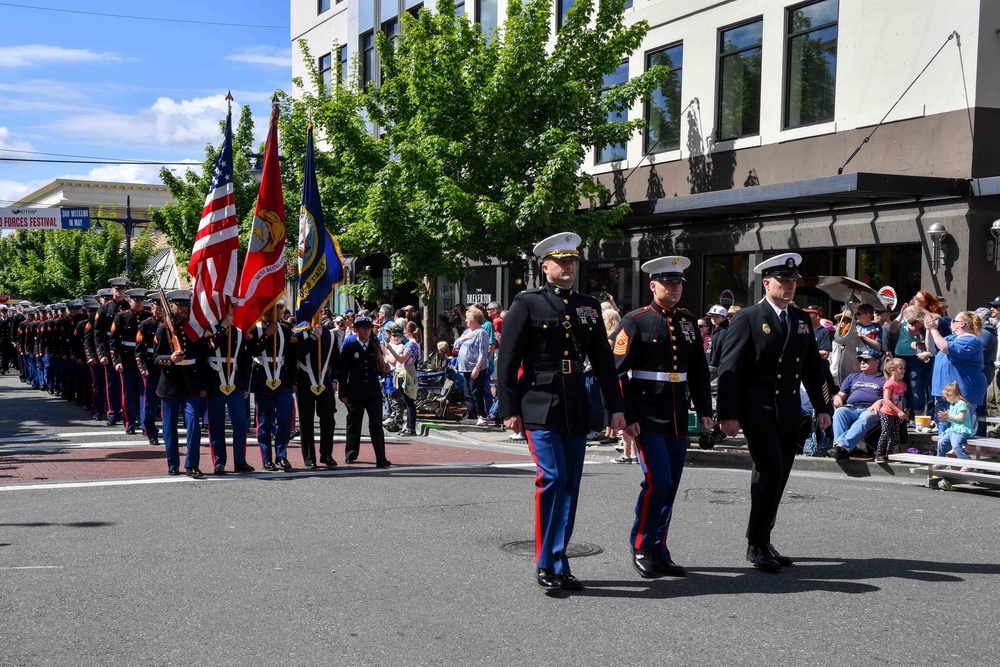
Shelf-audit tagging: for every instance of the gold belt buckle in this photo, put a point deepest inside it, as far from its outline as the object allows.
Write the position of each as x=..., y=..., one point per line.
x=673, y=377
x=567, y=366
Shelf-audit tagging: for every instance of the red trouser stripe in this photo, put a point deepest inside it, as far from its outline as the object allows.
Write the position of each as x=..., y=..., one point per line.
x=646, y=493
x=538, y=498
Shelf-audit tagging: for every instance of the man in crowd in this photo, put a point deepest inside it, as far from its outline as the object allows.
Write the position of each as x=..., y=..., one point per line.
x=857, y=406
x=824, y=338
x=661, y=346
x=550, y=330
x=768, y=351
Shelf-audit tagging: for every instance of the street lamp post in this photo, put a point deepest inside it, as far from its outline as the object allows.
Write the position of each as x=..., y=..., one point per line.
x=128, y=223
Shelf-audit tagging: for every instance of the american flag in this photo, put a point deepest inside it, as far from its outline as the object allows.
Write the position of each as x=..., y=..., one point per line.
x=213, y=259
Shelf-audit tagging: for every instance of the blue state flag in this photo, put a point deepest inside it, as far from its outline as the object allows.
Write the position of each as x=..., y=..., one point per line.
x=321, y=266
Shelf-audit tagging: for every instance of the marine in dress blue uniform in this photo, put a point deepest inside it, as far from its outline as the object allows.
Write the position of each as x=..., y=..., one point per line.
x=98, y=383
x=662, y=347
x=272, y=346
x=124, y=330
x=228, y=383
x=361, y=368
x=768, y=351
x=549, y=330
x=102, y=338
x=149, y=369
x=181, y=388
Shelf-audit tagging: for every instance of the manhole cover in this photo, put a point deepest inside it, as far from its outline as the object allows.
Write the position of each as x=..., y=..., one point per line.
x=575, y=550
x=715, y=496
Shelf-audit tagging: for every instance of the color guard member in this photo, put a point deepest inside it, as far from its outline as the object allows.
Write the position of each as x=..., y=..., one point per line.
x=272, y=382
x=319, y=365
x=228, y=387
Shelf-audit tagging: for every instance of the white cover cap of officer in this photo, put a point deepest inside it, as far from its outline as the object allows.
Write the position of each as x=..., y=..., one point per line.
x=558, y=246
x=785, y=265
x=667, y=268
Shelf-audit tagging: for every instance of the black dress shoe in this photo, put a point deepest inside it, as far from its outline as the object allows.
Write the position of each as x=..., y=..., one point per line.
x=837, y=452
x=309, y=463
x=568, y=582
x=546, y=578
x=328, y=462
x=284, y=464
x=384, y=463
x=154, y=442
x=270, y=467
x=112, y=422
x=219, y=470
x=172, y=470
x=762, y=559
x=243, y=467
x=783, y=561
x=669, y=568
x=130, y=430
x=194, y=472
x=350, y=459
x=643, y=564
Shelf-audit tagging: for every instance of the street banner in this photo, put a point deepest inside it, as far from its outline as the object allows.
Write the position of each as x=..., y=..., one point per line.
x=262, y=281
x=321, y=266
x=45, y=218
x=213, y=265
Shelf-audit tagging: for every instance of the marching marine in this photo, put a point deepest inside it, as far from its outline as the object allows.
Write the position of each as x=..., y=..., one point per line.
x=124, y=330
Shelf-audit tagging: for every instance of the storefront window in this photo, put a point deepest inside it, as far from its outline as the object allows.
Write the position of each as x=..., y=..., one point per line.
x=614, y=278
x=480, y=286
x=898, y=266
x=726, y=281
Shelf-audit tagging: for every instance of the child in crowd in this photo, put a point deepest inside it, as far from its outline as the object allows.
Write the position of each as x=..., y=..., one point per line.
x=892, y=412
x=958, y=417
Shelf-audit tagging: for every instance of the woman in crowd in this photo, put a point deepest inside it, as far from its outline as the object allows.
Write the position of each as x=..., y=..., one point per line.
x=473, y=360
x=404, y=350
x=843, y=359
x=958, y=358
x=911, y=348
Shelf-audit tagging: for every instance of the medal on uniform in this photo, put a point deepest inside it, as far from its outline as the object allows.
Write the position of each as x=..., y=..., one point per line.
x=357, y=355
x=766, y=328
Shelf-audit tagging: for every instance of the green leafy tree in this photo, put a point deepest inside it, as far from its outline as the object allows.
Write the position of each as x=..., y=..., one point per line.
x=482, y=137
x=179, y=221
x=58, y=264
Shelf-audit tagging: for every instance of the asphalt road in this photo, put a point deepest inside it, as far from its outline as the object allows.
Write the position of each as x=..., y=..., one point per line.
x=406, y=567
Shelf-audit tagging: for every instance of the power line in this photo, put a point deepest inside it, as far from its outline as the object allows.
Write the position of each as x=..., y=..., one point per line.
x=144, y=18
x=84, y=157
x=140, y=162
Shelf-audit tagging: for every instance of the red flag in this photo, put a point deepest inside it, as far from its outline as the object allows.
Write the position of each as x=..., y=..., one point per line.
x=262, y=281
x=213, y=262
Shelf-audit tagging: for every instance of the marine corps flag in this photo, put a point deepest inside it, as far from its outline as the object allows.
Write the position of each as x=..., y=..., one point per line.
x=262, y=281
x=321, y=266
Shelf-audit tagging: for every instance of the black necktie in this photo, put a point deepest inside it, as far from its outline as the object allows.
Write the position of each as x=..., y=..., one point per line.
x=783, y=318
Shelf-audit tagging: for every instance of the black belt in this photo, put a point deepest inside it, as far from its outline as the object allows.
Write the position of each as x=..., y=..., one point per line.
x=565, y=367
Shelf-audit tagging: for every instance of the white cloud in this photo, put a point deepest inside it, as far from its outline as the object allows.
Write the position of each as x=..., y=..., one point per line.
x=268, y=56
x=11, y=191
x=167, y=123
x=7, y=144
x=28, y=55
x=127, y=173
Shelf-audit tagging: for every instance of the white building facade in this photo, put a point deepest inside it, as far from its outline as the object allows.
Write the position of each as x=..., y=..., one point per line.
x=768, y=102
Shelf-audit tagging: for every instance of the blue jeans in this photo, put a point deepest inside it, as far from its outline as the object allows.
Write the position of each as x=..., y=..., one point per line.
x=940, y=404
x=918, y=385
x=951, y=440
x=850, y=424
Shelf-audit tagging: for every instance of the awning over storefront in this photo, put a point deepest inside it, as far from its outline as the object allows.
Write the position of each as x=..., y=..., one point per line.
x=986, y=187
x=829, y=192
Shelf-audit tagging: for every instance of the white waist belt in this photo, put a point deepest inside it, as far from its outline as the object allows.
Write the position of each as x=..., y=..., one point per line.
x=662, y=377
x=185, y=362
x=128, y=344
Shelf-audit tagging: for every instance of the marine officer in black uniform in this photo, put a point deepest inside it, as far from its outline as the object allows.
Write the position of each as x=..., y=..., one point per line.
x=550, y=330
x=769, y=349
x=102, y=335
x=662, y=347
x=182, y=387
x=360, y=371
x=124, y=330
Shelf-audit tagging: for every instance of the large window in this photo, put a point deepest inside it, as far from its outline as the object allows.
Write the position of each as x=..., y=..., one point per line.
x=323, y=5
x=562, y=12
x=663, y=123
x=486, y=15
x=811, y=79
x=739, y=81
x=326, y=68
x=345, y=73
x=366, y=15
x=897, y=265
x=460, y=8
x=367, y=50
x=617, y=151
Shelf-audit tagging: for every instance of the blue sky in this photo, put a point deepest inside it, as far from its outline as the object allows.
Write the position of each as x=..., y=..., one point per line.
x=122, y=88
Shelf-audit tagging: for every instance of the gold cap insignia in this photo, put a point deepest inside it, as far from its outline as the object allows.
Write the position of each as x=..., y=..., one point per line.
x=676, y=261
x=790, y=263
